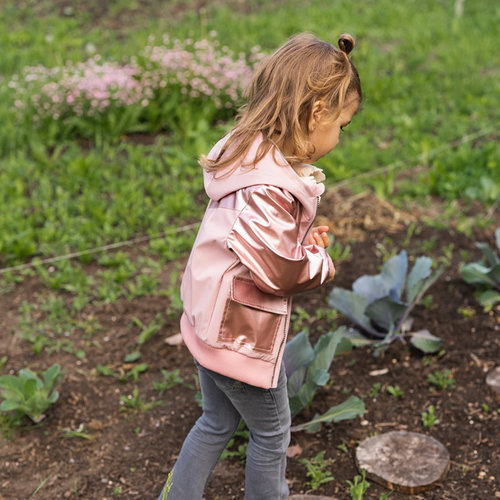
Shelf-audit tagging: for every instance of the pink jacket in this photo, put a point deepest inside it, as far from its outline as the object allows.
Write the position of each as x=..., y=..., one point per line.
x=246, y=262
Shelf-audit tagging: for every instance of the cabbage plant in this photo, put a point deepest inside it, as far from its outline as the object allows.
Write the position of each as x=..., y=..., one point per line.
x=485, y=274
x=380, y=305
x=307, y=369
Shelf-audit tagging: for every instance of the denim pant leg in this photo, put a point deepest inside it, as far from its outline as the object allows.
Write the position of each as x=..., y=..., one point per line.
x=267, y=415
x=205, y=442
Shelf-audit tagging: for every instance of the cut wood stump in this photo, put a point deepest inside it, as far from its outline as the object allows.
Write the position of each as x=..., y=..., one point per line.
x=403, y=461
x=493, y=380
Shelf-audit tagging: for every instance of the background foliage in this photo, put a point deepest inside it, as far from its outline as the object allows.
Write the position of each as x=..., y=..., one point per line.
x=430, y=74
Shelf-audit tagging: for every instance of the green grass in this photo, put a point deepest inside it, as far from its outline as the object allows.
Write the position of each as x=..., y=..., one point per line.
x=430, y=79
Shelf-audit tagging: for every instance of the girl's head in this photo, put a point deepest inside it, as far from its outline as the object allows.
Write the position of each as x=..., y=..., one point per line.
x=299, y=99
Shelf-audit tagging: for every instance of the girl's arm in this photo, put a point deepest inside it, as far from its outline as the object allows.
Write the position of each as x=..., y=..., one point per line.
x=265, y=237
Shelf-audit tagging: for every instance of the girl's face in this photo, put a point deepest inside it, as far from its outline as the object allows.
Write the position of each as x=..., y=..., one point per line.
x=323, y=132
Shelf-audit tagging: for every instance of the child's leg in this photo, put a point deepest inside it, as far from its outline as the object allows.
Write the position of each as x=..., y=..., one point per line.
x=267, y=415
x=205, y=442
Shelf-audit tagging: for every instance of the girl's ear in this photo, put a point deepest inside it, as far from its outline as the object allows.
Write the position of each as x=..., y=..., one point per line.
x=317, y=112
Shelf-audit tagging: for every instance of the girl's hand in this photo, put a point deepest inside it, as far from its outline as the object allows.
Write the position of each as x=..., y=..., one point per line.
x=319, y=236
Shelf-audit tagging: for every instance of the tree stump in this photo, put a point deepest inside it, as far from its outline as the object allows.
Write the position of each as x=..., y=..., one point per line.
x=493, y=380
x=403, y=461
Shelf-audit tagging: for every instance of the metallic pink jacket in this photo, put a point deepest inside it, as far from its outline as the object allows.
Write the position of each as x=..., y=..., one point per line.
x=246, y=262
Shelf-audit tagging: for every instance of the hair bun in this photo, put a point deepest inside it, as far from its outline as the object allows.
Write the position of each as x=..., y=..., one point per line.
x=346, y=43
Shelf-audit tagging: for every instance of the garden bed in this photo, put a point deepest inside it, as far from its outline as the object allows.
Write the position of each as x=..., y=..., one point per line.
x=93, y=445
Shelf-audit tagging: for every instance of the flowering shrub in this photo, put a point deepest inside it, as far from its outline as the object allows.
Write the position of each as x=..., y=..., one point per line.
x=169, y=85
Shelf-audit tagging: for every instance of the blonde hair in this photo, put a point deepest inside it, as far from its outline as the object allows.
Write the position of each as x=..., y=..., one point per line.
x=281, y=97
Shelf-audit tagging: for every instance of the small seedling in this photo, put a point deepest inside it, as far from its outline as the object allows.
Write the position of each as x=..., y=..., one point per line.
x=375, y=389
x=466, y=312
x=134, y=402
x=358, y=488
x=79, y=433
x=441, y=380
x=395, y=390
x=343, y=447
x=170, y=379
x=147, y=332
x=429, y=418
x=316, y=470
x=241, y=451
x=27, y=395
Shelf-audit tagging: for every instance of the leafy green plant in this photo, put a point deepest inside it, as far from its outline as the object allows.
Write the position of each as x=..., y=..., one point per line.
x=441, y=380
x=317, y=470
x=429, y=417
x=376, y=306
x=375, y=389
x=307, y=369
x=147, y=331
x=358, y=488
x=135, y=402
x=395, y=390
x=169, y=380
x=241, y=450
x=28, y=395
x=485, y=274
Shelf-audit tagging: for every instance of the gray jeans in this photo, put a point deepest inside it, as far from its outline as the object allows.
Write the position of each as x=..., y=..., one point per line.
x=226, y=401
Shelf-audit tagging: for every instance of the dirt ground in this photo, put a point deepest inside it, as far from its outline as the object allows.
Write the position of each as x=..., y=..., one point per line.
x=130, y=453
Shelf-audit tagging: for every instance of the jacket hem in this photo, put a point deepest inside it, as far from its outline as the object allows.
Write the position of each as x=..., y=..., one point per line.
x=252, y=371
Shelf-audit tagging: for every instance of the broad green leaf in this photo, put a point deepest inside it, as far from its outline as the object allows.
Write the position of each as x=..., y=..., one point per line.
x=11, y=382
x=30, y=388
x=425, y=341
x=488, y=253
x=494, y=274
x=349, y=409
x=356, y=338
x=295, y=381
x=389, y=282
x=50, y=376
x=54, y=397
x=386, y=313
x=475, y=272
x=420, y=271
x=9, y=405
x=298, y=353
x=320, y=377
x=488, y=299
x=353, y=306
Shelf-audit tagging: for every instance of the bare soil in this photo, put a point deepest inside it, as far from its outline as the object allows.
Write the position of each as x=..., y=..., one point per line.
x=131, y=451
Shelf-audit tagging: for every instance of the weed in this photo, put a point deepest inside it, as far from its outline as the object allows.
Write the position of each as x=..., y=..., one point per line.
x=395, y=390
x=241, y=451
x=466, y=312
x=79, y=433
x=429, y=418
x=358, y=488
x=169, y=380
x=316, y=470
x=134, y=402
x=375, y=389
x=147, y=331
x=441, y=379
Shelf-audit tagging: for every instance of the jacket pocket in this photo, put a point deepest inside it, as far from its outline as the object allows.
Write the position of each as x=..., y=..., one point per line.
x=251, y=318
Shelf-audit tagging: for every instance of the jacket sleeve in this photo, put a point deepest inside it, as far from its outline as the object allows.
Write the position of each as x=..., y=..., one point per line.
x=265, y=237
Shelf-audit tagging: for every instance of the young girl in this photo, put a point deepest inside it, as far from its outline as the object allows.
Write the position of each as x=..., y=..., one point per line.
x=254, y=250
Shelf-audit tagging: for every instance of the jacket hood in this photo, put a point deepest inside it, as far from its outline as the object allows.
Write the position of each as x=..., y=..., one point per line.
x=272, y=169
